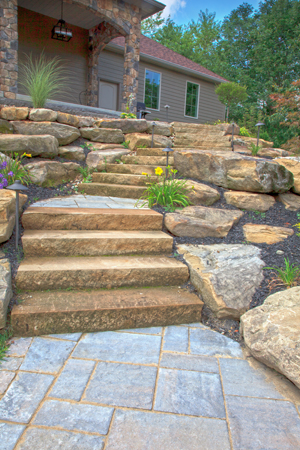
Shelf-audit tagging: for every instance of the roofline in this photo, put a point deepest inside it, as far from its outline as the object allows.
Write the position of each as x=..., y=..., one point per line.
x=170, y=64
x=155, y=7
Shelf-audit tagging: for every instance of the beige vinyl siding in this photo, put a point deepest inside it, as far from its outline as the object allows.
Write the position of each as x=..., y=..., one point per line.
x=111, y=69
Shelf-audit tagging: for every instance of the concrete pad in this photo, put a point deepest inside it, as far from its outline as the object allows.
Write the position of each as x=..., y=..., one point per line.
x=189, y=362
x=210, y=343
x=9, y=435
x=176, y=339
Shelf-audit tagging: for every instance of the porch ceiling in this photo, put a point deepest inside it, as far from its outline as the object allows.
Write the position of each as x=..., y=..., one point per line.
x=81, y=17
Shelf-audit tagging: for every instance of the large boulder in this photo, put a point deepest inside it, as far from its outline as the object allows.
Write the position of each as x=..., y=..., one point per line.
x=68, y=119
x=267, y=152
x=8, y=211
x=161, y=128
x=292, y=164
x=99, y=158
x=265, y=234
x=234, y=171
x=272, y=333
x=200, y=136
x=52, y=173
x=201, y=194
x=46, y=146
x=63, y=133
x=6, y=292
x=106, y=135
x=200, y=221
x=144, y=140
x=42, y=115
x=73, y=152
x=126, y=125
x=290, y=201
x=249, y=201
x=85, y=121
x=6, y=127
x=14, y=113
x=226, y=276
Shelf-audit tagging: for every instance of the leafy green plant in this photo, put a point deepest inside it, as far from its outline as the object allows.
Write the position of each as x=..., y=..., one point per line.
x=3, y=342
x=12, y=169
x=142, y=146
x=126, y=144
x=244, y=132
x=297, y=224
x=86, y=174
x=87, y=146
x=255, y=148
x=167, y=192
x=128, y=115
x=289, y=274
x=258, y=213
x=42, y=78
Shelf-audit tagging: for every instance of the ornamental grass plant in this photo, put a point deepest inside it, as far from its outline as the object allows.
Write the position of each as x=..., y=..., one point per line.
x=169, y=192
x=288, y=275
x=42, y=78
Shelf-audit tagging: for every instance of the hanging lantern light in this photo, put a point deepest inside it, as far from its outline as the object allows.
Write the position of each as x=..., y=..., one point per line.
x=60, y=32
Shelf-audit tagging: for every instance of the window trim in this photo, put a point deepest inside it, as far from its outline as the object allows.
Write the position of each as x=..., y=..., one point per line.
x=150, y=70
x=191, y=117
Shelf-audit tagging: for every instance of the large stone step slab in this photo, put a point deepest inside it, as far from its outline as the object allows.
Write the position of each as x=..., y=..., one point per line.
x=39, y=218
x=42, y=313
x=94, y=243
x=112, y=190
x=148, y=160
x=45, y=145
x=121, y=178
x=134, y=169
x=63, y=133
x=148, y=151
x=99, y=272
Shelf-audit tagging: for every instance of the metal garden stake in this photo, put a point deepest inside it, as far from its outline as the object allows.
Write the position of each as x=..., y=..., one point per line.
x=258, y=125
x=167, y=150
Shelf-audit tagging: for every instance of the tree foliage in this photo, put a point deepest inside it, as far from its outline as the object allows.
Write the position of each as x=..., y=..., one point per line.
x=231, y=94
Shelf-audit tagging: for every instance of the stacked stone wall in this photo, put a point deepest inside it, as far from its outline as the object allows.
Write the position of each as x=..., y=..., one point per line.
x=9, y=48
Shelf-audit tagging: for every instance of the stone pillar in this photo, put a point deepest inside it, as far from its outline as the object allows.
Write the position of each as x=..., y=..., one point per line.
x=99, y=37
x=9, y=48
x=131, y=66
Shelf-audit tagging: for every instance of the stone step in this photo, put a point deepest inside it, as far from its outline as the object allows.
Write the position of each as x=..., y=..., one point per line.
x=99, y=272
x=94, y=243
x=148, y=160
x=112, y=190
x=150, y=152
x=42, y=313
x=134, y=169
x=122, y=178
x=39, y=218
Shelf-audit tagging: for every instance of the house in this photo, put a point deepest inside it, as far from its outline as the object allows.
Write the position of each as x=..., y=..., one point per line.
x=109, y=64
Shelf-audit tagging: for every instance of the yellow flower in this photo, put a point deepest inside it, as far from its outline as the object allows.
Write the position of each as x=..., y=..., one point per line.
x=158, y=171
x=28, y=155
x=144, y=173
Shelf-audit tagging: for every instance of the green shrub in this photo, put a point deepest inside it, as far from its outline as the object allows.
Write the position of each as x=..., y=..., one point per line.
x=255, y=148
x=86, y=174
x=128, y=116
x=244, y=132
x=126, y=144
x=42, y=78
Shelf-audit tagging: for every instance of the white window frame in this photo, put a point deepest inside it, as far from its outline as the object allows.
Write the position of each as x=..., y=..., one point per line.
x=150, y=70
x=191, y=117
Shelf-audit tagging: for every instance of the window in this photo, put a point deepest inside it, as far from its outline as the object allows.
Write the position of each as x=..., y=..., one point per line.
x=191, y=100
x=152, y=89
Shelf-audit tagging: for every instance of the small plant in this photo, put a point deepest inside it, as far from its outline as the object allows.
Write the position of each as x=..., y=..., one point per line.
x=86, y=174
x=42, y=78
x=118, y=161
x=3, y=342
x=126, y=144
x=244, y=132
x=255, y=148
x=258, y=213
x=289, y=275
x=13, y=170
x=128, y=115
x=142, y=146
x=88, y=146
x=167, y=192
x=297, y=225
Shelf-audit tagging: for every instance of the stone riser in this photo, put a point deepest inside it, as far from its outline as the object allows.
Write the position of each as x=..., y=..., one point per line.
x=99, y=272
x=120, y=178
x=95, y=243
x=148, y=160
x=43, y=313
x=35, y=218
x=112, y=190
x=134, y=169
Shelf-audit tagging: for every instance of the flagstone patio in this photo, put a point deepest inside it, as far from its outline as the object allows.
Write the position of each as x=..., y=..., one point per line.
x=179, y=387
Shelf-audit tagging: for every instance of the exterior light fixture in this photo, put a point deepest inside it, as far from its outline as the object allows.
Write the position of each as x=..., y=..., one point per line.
x=18, y=187
x=60, y=32
x=232, y=144
x=258, y=125
x=167, y=111
x=152, y=140
x=168, y=150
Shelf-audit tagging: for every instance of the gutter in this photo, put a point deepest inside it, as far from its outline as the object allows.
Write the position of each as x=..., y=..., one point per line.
x=120, y=49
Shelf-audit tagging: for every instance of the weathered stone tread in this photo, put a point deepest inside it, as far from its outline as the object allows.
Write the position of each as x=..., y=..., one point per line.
x=121, y=178
x=135, y=169
x=112, y=190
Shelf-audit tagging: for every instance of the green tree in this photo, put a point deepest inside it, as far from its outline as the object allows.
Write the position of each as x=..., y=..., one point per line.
x=151, y=25
x=231, y=94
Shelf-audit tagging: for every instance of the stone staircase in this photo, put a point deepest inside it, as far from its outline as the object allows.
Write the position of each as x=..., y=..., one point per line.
x=125, y=179
x=98, y=269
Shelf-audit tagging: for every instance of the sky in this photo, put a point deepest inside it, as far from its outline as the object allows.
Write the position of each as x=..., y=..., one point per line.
x=182, y=11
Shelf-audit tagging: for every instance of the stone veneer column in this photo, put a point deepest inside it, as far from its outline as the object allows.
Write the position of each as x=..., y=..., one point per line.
x=9, y=48
x=131, y=65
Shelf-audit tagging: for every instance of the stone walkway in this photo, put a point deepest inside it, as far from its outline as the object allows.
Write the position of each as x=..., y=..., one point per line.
x=89, y=201
x=179, y=388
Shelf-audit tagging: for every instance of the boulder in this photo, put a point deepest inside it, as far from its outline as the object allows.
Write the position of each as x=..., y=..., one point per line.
x=6, y=127
x=201, y=194
x=63, y=133
x=234, y=171
x=99, y=146
x=267, y=152
x=290, y=201
x=265, y=234
x=200, y=221
x=7, y=212
x=97, y=158
x=106, y=135
x=6, y=292
x=144, y=140
x=292, y=164
x=73, y=152
x=227, y=127
x=52, y=173
x=46, y=146
x=68, y=119
x=42, y=115
x=249, y=201
x=262, y=142
x=126, y=125
x=200, y=136
x=161, y=128
x=85, y=121
x=226, y=276
x=14, y=113
x=272, y=333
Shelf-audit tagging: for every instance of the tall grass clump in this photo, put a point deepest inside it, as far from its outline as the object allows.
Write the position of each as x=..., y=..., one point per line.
x=42, y=78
